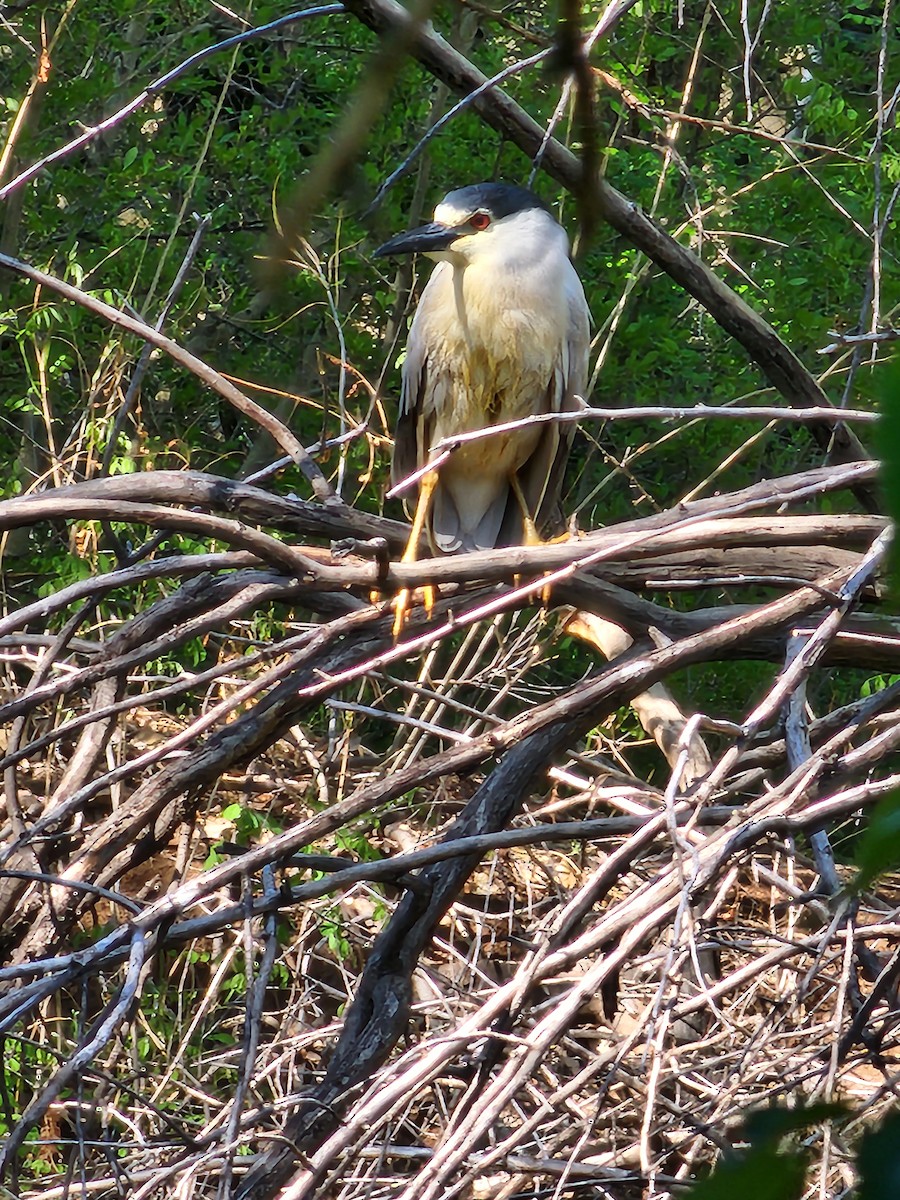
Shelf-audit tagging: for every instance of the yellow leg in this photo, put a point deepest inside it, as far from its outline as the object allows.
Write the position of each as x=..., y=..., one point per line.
x=411, y=553
x=530, y=535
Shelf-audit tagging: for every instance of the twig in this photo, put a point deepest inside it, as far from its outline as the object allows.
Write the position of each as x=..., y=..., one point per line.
x=212, y=379
x=99, y=1036
x=158, y=85
x=860, y=339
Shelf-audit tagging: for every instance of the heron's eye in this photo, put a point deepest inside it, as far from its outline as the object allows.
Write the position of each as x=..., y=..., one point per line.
x=479, y=220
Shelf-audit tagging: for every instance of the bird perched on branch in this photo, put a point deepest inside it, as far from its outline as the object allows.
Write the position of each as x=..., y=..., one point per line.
x=500, y=334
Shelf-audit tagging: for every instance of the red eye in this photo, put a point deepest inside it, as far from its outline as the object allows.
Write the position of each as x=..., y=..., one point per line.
x=479, y=220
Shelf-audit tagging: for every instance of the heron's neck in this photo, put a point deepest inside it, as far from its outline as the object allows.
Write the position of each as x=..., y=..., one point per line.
x=494, y=301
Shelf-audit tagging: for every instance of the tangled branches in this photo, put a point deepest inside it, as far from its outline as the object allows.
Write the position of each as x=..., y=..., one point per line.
x=661, y=907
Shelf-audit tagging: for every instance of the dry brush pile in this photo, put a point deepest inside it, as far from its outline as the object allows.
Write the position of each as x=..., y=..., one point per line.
x=415, y=917
x=556, y=971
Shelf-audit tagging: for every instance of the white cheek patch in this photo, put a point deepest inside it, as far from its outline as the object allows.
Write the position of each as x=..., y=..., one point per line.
x=446, y=214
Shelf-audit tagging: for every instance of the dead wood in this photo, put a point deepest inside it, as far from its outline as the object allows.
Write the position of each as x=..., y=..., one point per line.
x=302, y=671
x=657, y=710
x=378, y=1017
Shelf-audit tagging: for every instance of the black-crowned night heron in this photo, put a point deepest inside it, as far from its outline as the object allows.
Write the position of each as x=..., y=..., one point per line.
x=501, y=333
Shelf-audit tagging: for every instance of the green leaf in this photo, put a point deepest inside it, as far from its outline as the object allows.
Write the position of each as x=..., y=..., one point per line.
x=766, y=1170
x=879, y=1160
x=770, y=1125
x=879, y=846
x=762, y=1174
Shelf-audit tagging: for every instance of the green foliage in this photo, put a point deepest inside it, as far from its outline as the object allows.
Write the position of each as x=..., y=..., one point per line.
x=332, y=929
x=355, y=842
x=878, y=849
x=877, y=683
x=249, y=823
x=763, y=1173
x=63, y=569
x=770, y=1166
x=878, y=1160
x=24, y=1061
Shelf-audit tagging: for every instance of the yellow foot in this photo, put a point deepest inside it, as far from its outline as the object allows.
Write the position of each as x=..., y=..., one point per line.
x=401, y=606
x=554, y=541
x=531, y=537
x=403, y=603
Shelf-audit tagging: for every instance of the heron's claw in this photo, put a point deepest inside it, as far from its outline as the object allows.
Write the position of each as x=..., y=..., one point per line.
x=403, y=602
x=401, y=607
x=531, y=537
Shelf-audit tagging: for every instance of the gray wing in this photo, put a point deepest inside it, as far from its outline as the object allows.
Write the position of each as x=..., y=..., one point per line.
x=412, y=434
x=408, y=435
x=541, y=477
x=424, y=385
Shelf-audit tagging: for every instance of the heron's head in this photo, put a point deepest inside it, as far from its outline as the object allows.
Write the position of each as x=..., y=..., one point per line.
x=484, y=220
